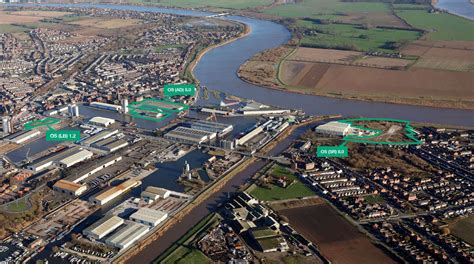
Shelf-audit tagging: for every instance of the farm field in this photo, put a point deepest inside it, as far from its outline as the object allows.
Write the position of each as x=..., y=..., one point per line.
x=231, y=4
x=424, y=86
x=464, y=229
x=345, y=57
x=447, y=59
x=295, y=190
x=353, y=37
x=442, y=26
x=10, y=17
x=106, y=23
x=337, y=239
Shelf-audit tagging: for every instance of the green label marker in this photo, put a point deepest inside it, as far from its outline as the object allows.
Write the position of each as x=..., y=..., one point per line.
x=63, y=135
x=332, y=152
x=179, y=89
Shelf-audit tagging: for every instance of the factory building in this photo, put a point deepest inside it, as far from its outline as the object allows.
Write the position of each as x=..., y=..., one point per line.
x=99, y=136
x=125, y=105
x=22, y=137
x=68, y=187
x=105, y=106
x=76, y=157
x=87, y=172
x=219, y=128
x=154, y=193
x=108, y=195
x=334, y=128
x=148, y=216
x=65, y=158
x=127, y=235
x=7, y=125
x=103, y=227
x=249, y=135
x=101, y=121
x=110, y=144
x=190, y=135
x=73, y=110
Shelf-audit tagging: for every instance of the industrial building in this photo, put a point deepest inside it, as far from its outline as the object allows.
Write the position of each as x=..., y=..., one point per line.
x=148, y=216
x=190, y=135
x=108, y=195
x=22, y=137
x=68, y=187
x=94, y=168
x=103, y=227
x=219, y=128
x=334, y=128
x=265, y=112
x=75, y=157
x=73, y=110
x=155, y=193
x=127, y=235
x=65, y=158
x=105, y=106
x=249, y=135
x=101, y=121
x=110, y=144
x=99, y=136
x=7, y=125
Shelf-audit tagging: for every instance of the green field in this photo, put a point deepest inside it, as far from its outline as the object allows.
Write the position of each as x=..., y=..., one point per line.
x=5, y=28
x=182, y=251
x=295, y=190
x=464, y=229
x=440, y=26
x=231, y=4
x=316, y=8
x=354, y=37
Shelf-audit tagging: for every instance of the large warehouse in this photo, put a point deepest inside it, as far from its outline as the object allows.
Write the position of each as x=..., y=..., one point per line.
x=101, y=121
x=24, y=136
x=110, y=144
x=99, y=136
x=334, y=128
x=190, y=135
x=105, y=106
x=148, y=216
x=69, y=187
x=127, y=235
x=108, y=195
x=219, y=128
x=103, y=227
x=155, y=193
x=65, y=158
x=249, y=135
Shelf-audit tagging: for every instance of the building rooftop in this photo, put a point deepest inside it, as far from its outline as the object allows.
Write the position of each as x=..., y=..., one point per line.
x=128, y=233
x=149, y=215
x=67, y=185
x=104, y=225
x=102, y=120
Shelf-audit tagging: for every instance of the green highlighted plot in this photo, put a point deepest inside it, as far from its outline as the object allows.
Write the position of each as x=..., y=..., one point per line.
x=388, y=132
x=377, y=136
x=155, y=109
x=48, y=121
x=179, y=89
x=63, y=135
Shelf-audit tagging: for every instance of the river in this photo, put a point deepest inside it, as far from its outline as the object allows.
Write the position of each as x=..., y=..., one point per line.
x=459, y=7
x=217, y=70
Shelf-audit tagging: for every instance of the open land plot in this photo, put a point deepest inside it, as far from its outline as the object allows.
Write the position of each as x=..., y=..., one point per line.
x=463, y=228
x=381, y=62
x=441, y=26
x=447, y=59
x=106, y=23
x=11, y=17
x=232, y=4
x=355, y=37
x=337, y=239
x=295, y=190
x=448, y=89
x=324, y=55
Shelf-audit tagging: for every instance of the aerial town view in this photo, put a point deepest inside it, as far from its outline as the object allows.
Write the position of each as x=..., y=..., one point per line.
x=236, y=131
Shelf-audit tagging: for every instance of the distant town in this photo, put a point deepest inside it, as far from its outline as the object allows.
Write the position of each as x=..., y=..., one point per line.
x=112, y=152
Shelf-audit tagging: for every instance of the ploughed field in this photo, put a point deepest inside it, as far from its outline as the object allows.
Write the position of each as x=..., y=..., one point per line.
x=337, y=239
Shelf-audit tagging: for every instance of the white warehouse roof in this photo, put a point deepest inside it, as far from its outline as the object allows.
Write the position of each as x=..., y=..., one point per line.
x=75, y=158
x=334, y=127
x=104, y=226
x=149, y=216
x=102, y=121
x=127, y=235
